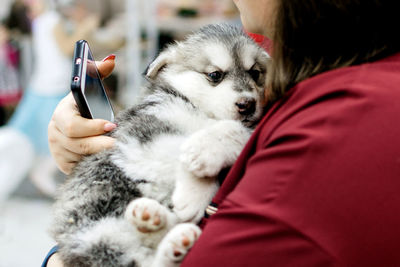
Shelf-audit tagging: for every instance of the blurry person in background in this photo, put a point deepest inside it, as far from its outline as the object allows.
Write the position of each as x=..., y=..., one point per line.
x=19, y=18
x=19, y=23
x=15, y=26
x=10, y=89
x=23, y=141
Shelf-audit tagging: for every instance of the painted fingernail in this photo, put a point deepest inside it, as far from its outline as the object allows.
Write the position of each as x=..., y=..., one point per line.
x=109, y=126
x=109, y=57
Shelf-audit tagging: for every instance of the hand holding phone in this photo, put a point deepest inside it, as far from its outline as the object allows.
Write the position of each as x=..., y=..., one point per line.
x=86, y=86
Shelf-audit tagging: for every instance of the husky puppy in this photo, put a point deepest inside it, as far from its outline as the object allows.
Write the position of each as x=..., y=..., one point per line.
x=138, y=203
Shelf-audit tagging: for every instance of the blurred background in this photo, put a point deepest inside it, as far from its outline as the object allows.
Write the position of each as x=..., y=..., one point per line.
x=36, y=44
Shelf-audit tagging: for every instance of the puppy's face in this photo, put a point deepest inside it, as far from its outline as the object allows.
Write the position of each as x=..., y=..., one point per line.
x=220, y=70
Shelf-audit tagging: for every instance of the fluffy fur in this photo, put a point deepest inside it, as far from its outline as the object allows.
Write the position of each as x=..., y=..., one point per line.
x=137, y=204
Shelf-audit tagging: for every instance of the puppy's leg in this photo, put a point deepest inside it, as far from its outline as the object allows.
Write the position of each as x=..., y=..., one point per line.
x=192, y=195
x=176, y=244
x=208, y=151
x=108, y=242
x=151, y=219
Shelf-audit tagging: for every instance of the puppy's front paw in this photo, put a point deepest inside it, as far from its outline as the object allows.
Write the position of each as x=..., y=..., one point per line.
x=148, y=215
x=201, y=156
x=178, y=241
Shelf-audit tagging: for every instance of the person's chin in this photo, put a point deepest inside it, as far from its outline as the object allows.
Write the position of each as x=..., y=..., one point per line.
x=249, y=27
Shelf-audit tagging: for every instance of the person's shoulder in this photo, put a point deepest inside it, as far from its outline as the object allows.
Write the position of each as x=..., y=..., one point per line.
x=382, y=74
x=334, y=93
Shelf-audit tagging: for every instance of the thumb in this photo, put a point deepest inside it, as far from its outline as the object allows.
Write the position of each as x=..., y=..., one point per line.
x=106, y=66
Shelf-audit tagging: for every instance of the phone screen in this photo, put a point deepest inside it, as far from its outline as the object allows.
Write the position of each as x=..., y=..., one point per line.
x=93, y=90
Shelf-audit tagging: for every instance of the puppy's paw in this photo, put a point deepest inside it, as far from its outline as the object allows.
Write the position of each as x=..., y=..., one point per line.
x=201, y=155
x=146, y=214
x=178, y=242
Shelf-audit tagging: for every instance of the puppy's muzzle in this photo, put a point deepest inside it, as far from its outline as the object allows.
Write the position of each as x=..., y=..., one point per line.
x=246, y=106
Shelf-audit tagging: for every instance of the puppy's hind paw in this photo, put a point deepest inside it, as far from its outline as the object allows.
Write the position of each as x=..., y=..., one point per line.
x=146, y=214
x=178, y=242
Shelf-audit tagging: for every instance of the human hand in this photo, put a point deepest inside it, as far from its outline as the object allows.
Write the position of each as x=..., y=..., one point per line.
x=71, y=136
x=54, y=261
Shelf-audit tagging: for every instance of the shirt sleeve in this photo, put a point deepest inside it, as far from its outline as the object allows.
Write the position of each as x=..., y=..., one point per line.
x=238, y=237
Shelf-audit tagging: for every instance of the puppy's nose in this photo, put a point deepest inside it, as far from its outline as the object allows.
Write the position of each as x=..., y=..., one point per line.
x=246, y=106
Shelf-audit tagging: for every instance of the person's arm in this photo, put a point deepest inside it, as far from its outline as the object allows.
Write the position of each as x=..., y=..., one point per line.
x=83, y=30
x=71, y=136
x=247, y=229
x=285, y=210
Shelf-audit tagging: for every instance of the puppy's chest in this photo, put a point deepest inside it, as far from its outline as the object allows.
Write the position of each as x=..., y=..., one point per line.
x=149, y=145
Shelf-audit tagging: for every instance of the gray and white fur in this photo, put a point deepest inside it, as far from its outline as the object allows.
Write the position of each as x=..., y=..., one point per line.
x=138, y=203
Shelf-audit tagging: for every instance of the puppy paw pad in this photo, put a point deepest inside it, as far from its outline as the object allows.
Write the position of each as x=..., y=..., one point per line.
x=180, y=240
x=147, y=215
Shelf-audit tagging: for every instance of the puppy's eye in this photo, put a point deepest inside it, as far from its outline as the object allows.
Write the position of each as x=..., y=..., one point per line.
x=255, y=74
x=215, y=76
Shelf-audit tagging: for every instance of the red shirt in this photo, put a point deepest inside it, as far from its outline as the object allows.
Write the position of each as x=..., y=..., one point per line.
x=318, y=183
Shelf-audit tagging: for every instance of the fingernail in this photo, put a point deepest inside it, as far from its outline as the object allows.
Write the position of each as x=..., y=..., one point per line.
x=109, y=126
x=109, y=57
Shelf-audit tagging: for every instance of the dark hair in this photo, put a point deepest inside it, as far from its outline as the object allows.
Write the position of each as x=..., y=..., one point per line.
x=313, y=36
x=18, y=18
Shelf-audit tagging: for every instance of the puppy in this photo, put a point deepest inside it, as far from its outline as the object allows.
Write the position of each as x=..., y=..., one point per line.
x=138, y=203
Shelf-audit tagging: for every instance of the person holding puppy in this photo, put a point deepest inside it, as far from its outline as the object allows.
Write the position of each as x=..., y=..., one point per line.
x=316, y=185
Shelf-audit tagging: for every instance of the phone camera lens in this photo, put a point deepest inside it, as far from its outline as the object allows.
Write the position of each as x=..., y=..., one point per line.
x=76, y=79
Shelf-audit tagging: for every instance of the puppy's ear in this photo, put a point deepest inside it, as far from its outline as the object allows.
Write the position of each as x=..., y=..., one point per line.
x=161, y=61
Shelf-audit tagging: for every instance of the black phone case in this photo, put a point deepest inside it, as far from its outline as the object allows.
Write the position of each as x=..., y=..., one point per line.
x=76, y=80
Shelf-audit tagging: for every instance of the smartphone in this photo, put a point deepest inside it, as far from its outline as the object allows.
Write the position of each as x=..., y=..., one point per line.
x=87, y=87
